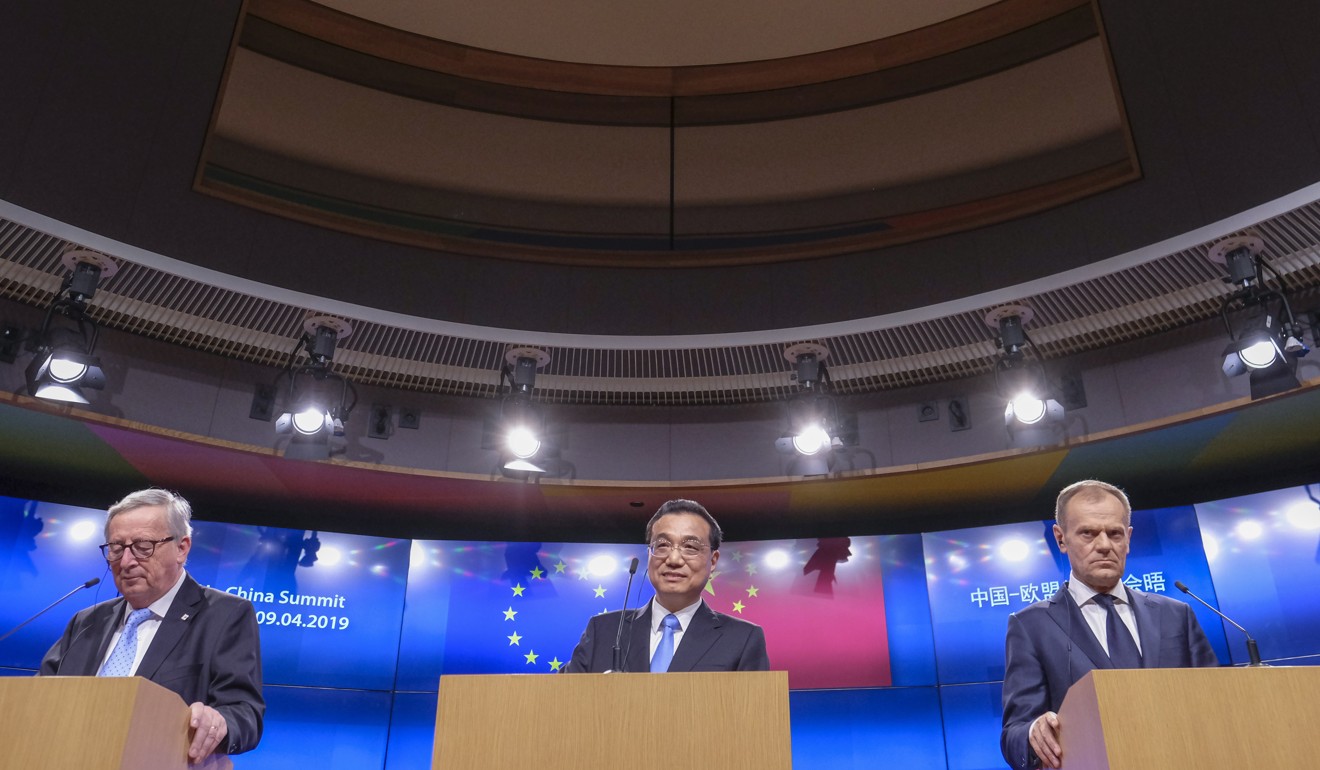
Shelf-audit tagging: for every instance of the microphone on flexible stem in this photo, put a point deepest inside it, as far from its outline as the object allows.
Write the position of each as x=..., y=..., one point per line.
x=618, y=638
x=49, y=607
x=1252, y=651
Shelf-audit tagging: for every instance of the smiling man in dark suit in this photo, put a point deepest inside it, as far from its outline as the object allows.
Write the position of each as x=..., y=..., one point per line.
x=675, y=631
x=201, y=643
x=1093, y=622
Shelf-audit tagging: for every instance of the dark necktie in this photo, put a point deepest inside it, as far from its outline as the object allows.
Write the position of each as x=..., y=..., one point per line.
x=1123, y=651
x=664, y=652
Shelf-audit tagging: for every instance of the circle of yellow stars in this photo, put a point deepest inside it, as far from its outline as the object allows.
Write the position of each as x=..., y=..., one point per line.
x=510, y=614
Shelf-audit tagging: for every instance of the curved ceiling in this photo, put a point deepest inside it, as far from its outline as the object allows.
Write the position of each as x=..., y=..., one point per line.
x=683, y=32
x=875, y=126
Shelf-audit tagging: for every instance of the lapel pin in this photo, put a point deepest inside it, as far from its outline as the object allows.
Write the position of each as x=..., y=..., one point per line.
x=184, y=617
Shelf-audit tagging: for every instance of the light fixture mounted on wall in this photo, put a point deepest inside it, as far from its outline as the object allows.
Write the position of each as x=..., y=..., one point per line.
x=319, y=400
x=1265, y=340
x=1030, y=398
x=526, y=448
x=64, y=361
x=814, y=423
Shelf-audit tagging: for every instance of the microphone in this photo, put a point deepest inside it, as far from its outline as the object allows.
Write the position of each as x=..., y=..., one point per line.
x=50, y=607
x=618, y=638
x=1252, y=651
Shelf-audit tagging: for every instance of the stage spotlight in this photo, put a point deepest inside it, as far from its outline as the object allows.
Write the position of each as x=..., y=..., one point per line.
x=812, y=415
x=522, y=442
x=65, y=363
x=520, y=433
x=1267, y=342
x=61, y=374
x=812, y=439
x=1029, y=397
x=319, y=400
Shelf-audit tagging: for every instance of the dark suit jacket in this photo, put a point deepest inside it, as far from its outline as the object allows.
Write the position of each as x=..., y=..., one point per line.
x=206, y=649
x=1049, y=647
x=711, y=642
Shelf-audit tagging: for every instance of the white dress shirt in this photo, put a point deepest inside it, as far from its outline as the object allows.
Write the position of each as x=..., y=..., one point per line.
x=658, y=614
x=146, y=630
x=1095, y=614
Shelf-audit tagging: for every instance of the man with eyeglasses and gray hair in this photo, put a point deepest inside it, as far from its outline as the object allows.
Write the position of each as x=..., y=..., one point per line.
x=676, y=630
x=199, y=642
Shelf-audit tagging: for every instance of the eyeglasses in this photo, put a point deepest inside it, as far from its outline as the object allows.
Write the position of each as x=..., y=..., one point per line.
x=660, y=549
x=142, y=549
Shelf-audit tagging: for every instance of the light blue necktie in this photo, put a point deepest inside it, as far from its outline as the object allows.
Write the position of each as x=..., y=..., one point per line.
x=120, y=662
x=664, y=653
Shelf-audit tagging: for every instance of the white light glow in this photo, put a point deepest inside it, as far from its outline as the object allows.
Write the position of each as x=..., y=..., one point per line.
x=1028, y=409
x=83, y=530
x=64, y=370
x=328, y=556
x=310, y=421
x=1211, y=545
x=811, y=440
x=1249, y=529
x=523, y=443
x=602, y=565
x=776, y=559
x=1258, y=355
x=1304, y=516
x=1014, y=550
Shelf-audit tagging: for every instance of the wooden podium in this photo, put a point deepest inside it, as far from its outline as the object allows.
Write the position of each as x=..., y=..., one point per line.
x=1175, y=718
x=90, y=723
x=641, y=721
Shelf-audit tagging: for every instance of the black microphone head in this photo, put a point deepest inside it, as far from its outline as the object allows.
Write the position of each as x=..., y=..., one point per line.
x=632, y=568
x=91, y=582
x=1181, y=586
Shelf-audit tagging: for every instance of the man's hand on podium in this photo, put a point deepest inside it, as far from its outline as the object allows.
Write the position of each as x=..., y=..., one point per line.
x=1044, y=739
x=209, y=729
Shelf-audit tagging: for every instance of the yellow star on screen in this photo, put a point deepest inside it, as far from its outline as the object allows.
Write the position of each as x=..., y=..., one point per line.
x=556, y=663
x=738, y=607
x=531, y=657
x=514, y=639
x=751, y=568
x=710, y=585
x=560, y=567
x=752, y=591
x=537, y=573
x=600, y=592
x=582, y=574
x=509, y=613
x=735, y=555
x=518, y=589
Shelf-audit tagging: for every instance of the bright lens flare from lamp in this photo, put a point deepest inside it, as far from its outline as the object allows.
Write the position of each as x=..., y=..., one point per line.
x=1304, y=516
x=83, y=530
x=1028, y=409
x=1258, y=355
x=329, y=556
x=309, y=421
x=776, y=559
x=603, y=565
x=811, y=440
x=1249, y=529
x=522, y=442
x=1014, y=550
x=64, y=370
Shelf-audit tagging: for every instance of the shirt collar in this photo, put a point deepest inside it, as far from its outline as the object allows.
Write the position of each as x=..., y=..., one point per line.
x=1082, y=593
x=684, y=615
x=161, y=606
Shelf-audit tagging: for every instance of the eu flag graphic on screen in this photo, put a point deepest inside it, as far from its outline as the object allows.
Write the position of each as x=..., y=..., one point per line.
x=521, y=607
